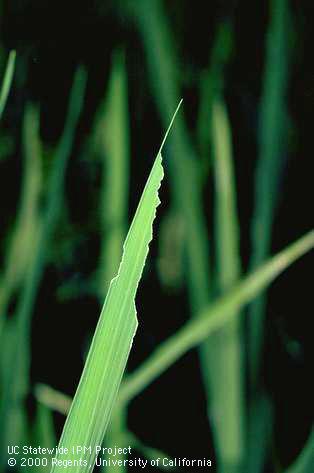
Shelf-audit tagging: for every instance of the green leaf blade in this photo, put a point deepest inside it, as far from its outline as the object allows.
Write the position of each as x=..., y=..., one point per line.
x=224, y=348
x=91, y=408
x=270, y=163
x=7, y=81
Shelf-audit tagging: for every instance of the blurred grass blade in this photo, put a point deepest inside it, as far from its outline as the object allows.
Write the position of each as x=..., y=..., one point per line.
x=183, y=164
x=43, y=433
x=7, y=81
x=18, y=255
x=272, y=128
x=44, y=427
x=225, y=346
x=91, y=409
x=112, y=141
x=211, y=83
x=18, y=259
x=213, y=318
x=304, y=463
x=52, y=399
x=15, y=387
x=260, y=433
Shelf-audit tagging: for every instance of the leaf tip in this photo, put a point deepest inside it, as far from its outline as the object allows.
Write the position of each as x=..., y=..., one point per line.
x=170, y=126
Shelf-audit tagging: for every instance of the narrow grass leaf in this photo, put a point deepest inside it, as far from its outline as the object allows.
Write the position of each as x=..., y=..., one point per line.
x=260, y=433
x=272, y=129
x=43, y=434
x=225, y=346
x=19, y=251
x=91, y=409
x=183, y=164
x=44, y=427
x=52, y=399
x=113, y=146
x=7, y=81
x=211, y=82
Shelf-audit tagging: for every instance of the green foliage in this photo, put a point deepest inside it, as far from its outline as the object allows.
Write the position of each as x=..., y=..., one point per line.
x=272, y=133
x=227, y=407
x=6, y=82
x=198, y=241
x=113, y=337
x=16, y=382
x=213, y=318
